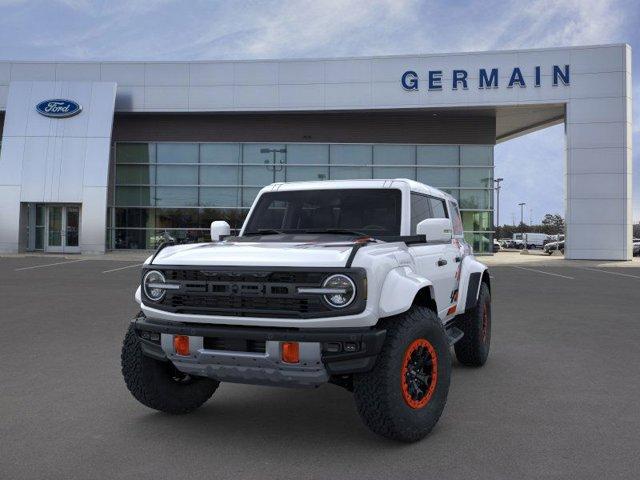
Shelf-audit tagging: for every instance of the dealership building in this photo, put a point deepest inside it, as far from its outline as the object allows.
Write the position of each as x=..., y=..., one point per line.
x=98, y=156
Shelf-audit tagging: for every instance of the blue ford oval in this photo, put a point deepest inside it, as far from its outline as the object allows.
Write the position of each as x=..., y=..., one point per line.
x=58, y=108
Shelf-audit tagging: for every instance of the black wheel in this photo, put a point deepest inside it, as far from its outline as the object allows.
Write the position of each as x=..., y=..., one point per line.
x=473, y=348
x=404, y=395
x=159, y=385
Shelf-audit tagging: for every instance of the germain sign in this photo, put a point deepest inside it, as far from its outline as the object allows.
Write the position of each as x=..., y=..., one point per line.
x=487, y=78
x=58, y=108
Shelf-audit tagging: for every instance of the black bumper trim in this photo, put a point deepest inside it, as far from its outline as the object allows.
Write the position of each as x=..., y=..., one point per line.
x=370, y=340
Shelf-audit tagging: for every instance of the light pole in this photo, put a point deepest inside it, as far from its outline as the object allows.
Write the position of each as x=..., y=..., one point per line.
x=497, y=182
x=522, y=212
x=524, y=240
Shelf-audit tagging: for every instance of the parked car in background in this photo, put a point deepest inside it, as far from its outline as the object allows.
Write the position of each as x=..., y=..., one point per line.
x=532, y=240
x=636, y=247
x=554, y=238
x=496, y=246
x=553, y=246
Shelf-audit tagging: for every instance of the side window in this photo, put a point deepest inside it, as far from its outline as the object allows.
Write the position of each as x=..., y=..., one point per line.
x=438, y=208
x=455, y=219
x=420, y=210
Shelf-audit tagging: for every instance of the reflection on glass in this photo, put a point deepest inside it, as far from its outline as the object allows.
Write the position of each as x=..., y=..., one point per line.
x=438, y=155
x=439, y=177
x=55, y=227
x=349, y=173
x=39, y=238
x=135, y=196
x=226, y=177
x=476, y=177
x=177, y=152
x=351, y=154
x=476, y=155
x=219, y=175
x=218, y=197
x=135, y=152
x=307, y=154
x=295, y=174
x=476, y=199
x=394, y=155
x=477, y=221
x=177, y=175
x=40, y=220
x=481, y=242
x=220, y=153
x=73, y=226
x=249, y=195
x=134, y=217
x=135, y=175
x=176, y=196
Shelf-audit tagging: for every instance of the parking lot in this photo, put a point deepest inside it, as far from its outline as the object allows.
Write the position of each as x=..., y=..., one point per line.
x=558, y=397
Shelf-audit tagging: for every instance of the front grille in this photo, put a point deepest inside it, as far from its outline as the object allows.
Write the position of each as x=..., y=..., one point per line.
x=248, y=292
x=246, y=305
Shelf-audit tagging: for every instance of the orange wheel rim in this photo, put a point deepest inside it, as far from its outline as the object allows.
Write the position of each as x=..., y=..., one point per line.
x=419, y=374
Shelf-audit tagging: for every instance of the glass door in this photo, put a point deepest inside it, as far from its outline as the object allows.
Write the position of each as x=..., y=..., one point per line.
x=55, y=232
x=62, y=229
x=72, y=229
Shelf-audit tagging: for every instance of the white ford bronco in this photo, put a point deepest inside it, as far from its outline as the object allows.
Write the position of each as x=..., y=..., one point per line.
x=365, y=284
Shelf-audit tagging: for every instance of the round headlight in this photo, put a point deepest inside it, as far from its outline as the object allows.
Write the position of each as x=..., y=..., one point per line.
x=345, y=291
x=150, y=278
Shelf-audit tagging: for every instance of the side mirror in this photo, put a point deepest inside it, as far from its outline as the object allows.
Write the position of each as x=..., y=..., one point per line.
x=219, y=229
x=436, y=229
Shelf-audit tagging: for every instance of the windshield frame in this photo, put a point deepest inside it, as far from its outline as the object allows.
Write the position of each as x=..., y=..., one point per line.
x=245, y=233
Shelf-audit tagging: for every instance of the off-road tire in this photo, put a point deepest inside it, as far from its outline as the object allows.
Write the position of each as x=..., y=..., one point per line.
x=473, y=348
x=153, y=383
x=379, y=394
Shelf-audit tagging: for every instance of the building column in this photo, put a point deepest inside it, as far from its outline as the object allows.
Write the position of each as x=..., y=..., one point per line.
x=598, y=175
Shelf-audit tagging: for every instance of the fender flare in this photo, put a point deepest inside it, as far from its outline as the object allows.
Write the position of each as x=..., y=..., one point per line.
x=399, y=289
x=471, y=274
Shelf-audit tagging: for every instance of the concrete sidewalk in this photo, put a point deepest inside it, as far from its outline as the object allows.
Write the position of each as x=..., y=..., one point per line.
x=536, y=257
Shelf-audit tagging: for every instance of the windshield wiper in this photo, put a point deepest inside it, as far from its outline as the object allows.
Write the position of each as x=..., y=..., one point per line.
x=264, y=231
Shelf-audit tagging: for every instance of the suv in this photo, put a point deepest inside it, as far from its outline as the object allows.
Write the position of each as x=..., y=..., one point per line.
x=365, y=284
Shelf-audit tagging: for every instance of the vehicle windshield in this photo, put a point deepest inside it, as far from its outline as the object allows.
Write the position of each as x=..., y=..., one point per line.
x=351, y=212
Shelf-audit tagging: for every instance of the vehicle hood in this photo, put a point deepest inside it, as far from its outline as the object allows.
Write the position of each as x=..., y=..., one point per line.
x=257, y=254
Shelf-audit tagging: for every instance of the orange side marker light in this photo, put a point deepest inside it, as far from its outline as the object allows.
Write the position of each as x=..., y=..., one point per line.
x=290, y=352
x=181, y=345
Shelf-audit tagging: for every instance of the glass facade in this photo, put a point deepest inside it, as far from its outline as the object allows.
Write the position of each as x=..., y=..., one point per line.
x=180, y=188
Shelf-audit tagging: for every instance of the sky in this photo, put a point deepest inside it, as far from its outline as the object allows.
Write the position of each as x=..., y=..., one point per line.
x=532, y=165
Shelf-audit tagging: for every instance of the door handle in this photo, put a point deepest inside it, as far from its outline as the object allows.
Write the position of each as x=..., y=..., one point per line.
x=442, y=262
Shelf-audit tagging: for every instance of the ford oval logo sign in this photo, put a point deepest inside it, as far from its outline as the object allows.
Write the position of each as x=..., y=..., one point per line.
x=58, y=108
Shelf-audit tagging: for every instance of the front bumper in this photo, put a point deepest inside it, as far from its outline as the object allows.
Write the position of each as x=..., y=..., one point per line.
x=221, y=353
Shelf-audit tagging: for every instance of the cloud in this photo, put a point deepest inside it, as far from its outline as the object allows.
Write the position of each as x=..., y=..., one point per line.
x=251, y=29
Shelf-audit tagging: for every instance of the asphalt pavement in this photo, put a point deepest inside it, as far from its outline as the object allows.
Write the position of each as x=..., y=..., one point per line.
x=558, y=398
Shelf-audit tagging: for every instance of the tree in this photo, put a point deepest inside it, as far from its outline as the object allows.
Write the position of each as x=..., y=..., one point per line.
x=554, y=220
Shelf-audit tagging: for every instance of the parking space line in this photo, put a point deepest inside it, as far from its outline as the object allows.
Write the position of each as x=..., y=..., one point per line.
x=543, y=272
x=50, y=264
x=610, y=273
x=122, y=268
